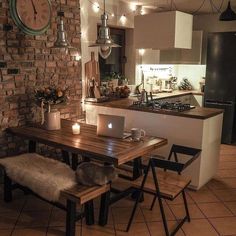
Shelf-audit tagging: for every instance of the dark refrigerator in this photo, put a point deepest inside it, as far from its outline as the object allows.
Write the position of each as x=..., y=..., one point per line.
x=220, y=88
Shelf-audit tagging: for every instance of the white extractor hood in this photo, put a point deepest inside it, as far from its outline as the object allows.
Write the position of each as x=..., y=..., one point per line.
x=164, y=30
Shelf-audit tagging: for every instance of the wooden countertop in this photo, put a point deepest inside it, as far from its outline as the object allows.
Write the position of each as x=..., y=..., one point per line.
x=196, y=113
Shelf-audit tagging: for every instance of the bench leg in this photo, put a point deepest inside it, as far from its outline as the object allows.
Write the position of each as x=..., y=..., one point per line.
x=70, y=218
x=89, y=212
x=104, y=208
x=7, y=188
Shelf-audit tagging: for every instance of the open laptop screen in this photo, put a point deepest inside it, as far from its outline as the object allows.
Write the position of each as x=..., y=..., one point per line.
x=110, y=125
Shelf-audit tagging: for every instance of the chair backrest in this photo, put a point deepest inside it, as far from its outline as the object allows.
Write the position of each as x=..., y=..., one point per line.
x=189, y=151
x=193, y=153
x=176, y=166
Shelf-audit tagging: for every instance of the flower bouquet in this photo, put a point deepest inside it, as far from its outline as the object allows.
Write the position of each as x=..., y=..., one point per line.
x=50, y=96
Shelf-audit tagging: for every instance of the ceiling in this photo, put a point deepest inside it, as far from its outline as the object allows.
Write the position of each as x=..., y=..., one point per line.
x=190, y=6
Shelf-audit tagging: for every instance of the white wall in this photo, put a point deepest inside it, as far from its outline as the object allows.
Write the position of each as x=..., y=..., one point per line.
x=193, y=73
x=211, y=23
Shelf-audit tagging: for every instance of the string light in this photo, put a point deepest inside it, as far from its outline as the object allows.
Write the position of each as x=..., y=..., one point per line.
x=142, y=12
x=123, y=19
x=78, y=57
x=141, y=51
x=96, y=7
x=133, y=7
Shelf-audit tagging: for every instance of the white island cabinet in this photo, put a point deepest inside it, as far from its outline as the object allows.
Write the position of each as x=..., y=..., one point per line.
x=199, y=128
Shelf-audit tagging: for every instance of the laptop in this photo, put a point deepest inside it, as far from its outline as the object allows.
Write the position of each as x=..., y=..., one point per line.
x=111, y=126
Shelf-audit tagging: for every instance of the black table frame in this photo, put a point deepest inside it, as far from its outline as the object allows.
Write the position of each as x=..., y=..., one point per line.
x=106, y=198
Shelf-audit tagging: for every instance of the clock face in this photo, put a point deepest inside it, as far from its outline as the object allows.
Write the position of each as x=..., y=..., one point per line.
x=32, y=16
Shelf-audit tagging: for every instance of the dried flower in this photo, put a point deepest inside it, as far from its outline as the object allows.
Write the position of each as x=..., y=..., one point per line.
x=51, y=95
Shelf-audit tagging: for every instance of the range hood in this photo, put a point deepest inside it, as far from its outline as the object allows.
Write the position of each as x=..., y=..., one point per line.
x=163, y=30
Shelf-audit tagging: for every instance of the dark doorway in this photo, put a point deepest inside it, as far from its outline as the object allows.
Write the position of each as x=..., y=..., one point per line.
x=116, y=61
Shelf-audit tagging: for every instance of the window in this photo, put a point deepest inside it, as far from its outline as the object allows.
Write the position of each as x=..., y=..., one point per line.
x=116, y=61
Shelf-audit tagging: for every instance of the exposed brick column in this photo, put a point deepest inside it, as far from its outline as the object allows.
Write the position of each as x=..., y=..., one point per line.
x=27, y=62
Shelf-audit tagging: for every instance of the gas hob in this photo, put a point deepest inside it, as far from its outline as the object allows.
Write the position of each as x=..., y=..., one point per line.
x=156, y=105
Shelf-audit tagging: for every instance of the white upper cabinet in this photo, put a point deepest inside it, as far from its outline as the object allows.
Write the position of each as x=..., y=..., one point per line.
x=164, y=30
x=177, y=56
x=185, y=56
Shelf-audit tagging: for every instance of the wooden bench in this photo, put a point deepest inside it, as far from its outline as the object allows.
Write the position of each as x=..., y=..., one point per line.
x=77, y=194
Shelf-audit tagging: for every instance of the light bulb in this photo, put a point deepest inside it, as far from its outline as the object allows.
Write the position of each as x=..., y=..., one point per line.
x=77, y=57
x=132, y=6
x=142, y=12
x=105, y=51
x=96, y=7
x=141, y=51
x=123, y=19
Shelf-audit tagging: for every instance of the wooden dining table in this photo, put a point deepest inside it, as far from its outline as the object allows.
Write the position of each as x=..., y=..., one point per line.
x=89, y=145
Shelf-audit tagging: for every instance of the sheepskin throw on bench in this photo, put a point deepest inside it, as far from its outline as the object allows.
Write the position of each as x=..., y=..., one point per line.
x=45, y=177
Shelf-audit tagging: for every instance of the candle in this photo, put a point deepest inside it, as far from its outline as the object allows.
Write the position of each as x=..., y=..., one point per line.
x=76, y=128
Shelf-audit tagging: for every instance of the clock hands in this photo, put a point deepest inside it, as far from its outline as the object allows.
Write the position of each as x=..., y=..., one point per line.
x=35, y=12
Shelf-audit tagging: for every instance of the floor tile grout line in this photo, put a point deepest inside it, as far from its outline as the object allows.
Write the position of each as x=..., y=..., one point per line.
x=175, y=216
x=113, y=220
x=49, y=220
x=20, y=212
x=207, y=218
x=146, y=222
x=204, y=214
x=222, y=202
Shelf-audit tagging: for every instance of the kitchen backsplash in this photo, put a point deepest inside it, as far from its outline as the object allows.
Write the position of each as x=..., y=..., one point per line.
x=194, y=73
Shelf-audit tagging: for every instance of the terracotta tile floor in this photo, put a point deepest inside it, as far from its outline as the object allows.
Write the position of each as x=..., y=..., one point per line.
x=213, y=211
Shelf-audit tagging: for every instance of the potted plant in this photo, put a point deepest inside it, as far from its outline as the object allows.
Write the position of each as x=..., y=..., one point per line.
x=49, y=97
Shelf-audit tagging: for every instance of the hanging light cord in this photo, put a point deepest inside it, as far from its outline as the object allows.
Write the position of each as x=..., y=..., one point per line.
x=218, y=9
x=172, y=5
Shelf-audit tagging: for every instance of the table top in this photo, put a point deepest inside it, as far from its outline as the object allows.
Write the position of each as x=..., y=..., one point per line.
x=113, y=150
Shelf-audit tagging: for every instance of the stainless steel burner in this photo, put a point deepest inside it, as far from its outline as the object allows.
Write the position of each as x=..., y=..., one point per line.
x=156, y=105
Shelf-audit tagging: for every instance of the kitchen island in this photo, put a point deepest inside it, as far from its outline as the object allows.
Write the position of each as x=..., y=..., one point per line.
x=198, y=127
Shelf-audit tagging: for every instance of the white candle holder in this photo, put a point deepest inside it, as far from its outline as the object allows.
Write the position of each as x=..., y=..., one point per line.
x=76, y=128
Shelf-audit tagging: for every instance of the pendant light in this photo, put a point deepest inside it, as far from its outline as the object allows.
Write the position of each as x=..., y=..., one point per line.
x=104, y=40
x=228, y=14
x=61, y=41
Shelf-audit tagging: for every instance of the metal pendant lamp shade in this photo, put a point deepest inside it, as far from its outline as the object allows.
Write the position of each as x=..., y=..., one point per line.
x=61, y=41
x=104, y=40
x=228, y=14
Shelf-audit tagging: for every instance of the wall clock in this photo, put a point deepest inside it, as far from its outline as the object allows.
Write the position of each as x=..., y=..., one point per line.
x=33, y=17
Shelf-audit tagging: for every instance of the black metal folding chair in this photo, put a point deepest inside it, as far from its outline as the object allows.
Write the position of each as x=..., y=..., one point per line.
x=166, y=185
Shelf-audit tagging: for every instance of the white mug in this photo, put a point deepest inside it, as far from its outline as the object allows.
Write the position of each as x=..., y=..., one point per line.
x=137, y=134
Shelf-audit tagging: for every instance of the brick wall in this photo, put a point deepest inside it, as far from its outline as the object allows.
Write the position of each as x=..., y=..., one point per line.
x=28, y=62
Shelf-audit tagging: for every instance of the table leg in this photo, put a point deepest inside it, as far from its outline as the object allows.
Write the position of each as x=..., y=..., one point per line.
x=137, y=172
x=104, y=208
x=137, y=168
x=66, y=157
x=74, y=161
x=32, y=146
